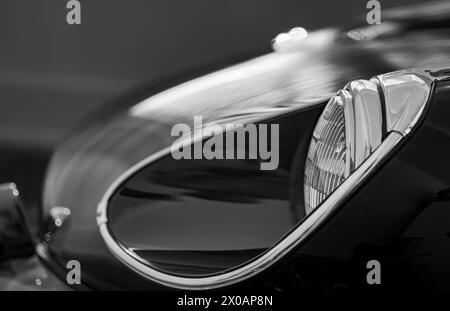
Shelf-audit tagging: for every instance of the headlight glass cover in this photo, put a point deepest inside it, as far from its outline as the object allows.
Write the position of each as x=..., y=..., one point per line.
x=325, y=166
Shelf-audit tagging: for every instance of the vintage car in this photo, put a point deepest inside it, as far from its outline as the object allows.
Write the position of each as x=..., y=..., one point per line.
x=361, y=180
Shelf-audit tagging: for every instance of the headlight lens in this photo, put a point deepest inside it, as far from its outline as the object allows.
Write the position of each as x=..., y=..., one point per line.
x=325, y=166
x=348, y=131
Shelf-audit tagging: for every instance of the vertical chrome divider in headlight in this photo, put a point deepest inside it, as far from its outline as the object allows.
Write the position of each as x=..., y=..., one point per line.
x=406, y=95
x=349, y=125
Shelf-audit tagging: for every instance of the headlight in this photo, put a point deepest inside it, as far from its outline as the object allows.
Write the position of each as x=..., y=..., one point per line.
x=352, y=126
x=348, y=131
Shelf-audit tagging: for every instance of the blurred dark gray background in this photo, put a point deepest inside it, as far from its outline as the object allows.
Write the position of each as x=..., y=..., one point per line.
x=52, y=75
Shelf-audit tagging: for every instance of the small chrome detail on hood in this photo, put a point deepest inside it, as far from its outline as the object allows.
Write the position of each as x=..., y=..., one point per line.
x=59, y=215
x=12, y=187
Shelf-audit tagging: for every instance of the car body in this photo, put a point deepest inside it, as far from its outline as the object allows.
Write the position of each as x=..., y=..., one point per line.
x=396, y=214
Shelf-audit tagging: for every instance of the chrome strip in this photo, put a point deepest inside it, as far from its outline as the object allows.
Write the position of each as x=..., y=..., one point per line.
x=405, y=96
x=10, y=186
x=263, y=262
x=267, y=259
x=367, y=120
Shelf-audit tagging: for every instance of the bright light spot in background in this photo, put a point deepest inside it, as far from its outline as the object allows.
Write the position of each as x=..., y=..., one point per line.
x=298, y=33
x=281, y=38
x=284, y=40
